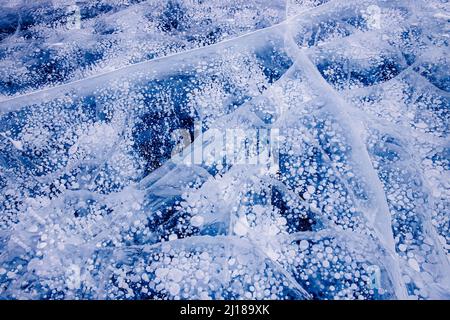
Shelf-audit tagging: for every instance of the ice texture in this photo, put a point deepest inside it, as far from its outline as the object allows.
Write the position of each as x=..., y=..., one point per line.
x=97, y=202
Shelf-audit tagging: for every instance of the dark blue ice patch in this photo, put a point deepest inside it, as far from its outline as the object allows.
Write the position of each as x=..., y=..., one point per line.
x=437, y=73
x=358, y=21
x=210, y=35
x=382, y=71
x=173, y=17
x=92, y=11
x=410, y=38
x=442, y=157
x=299, y=217
x=152, y=133
x=12, y=22
x=342, y=73
x=49, y=66
x=166, y=219
x=273, y=61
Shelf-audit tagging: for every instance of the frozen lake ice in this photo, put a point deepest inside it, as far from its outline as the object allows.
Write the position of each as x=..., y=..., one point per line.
x=246, y=149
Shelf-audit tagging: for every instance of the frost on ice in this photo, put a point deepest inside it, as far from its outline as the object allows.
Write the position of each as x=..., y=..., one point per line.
x=99, y=200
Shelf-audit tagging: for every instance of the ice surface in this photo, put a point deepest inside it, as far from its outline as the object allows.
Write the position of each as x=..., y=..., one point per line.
x=99, y=200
